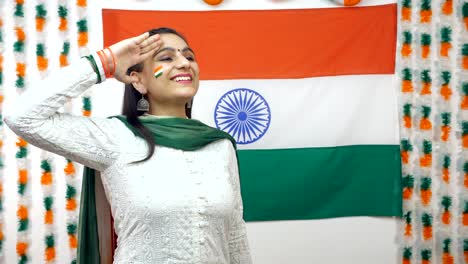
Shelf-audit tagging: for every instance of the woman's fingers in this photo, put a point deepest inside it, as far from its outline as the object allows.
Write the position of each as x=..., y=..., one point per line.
x=147, y=43
x=133, y=51
x=151, y=48
x=139, y=39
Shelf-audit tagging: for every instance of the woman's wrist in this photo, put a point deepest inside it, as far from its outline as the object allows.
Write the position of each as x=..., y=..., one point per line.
x=94, y=64
x=108, y=62
x=97, y=66
x=103, y=63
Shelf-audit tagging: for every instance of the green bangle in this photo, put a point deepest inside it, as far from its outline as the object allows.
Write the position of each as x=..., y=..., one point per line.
x=95, y=67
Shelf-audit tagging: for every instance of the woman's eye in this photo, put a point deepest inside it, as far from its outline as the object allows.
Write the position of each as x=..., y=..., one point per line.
x=190, y=58
x=165, y=59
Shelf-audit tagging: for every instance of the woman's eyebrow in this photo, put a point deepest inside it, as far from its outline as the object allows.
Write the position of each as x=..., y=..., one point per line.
x=187, y=49
x=163, y=49
x=173, y=50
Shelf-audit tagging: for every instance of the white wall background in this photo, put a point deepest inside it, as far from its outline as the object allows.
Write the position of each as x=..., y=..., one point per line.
x=364, y=240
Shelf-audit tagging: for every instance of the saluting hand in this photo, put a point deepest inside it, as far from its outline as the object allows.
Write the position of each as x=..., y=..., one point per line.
x=131, y=51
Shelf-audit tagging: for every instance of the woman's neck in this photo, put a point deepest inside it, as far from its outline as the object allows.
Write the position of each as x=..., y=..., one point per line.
x=176, y=111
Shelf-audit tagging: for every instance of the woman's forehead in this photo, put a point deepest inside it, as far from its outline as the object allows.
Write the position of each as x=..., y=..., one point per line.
x=174, y=41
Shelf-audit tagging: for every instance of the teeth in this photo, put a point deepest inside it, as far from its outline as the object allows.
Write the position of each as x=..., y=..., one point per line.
x=185, y=78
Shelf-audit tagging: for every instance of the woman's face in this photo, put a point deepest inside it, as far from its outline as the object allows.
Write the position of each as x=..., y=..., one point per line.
x=179, y=80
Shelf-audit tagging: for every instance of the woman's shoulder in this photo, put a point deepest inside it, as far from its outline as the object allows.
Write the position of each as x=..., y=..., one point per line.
x=221, y=147
x=119, y=132
x=118, y=127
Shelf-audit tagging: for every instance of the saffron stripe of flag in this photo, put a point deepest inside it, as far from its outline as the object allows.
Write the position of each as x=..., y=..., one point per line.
x=317, y=42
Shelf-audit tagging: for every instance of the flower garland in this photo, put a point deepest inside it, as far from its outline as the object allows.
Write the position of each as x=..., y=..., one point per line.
x=406, y=10
x=82, y=24
x=425, y=123
x=19, y=45
x=445, y=41
x=63, y=29
x=444, y=170
x=425, y=45
x=428, y=148
x=47, y=177
x=22, y=160
x=71, y=208
x=41, y=20
x=445, y=90
x=407, y=81
x=407, y=120
x=426, y=83
x=406, y=48
x=2, y=251
x=406, y=131
x=425, y=13
x=462, y=115
x=446, y=210
x=22, y=245
x=425, y=163
x=444, y=173
x=48, y=184
x=423, y=136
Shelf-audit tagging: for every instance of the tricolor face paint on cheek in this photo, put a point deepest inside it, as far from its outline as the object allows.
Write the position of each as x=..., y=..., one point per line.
x=158, y=71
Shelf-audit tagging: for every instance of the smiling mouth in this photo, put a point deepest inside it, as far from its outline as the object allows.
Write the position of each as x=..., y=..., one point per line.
x=183, y=79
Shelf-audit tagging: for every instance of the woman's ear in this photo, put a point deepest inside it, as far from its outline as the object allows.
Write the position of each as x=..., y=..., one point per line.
x=138, y=85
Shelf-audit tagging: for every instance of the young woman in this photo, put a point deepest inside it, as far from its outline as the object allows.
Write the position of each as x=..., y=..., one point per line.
x=172, y=182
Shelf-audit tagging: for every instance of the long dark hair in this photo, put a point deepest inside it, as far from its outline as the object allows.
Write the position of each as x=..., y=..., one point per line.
x=131, y=97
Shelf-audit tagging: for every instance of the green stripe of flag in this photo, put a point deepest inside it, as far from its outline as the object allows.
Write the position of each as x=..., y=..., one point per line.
x=312, y=183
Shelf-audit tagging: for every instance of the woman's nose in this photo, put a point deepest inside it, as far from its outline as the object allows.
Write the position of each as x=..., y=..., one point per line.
x=182, y=62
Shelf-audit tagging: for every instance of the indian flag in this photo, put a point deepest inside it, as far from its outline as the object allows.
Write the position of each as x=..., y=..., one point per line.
x=158, y=71
x=307, y=92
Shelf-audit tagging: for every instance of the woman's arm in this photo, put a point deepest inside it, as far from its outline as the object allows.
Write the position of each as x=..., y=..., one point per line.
x=94, y=142
x=35, y=117
x=239, y=250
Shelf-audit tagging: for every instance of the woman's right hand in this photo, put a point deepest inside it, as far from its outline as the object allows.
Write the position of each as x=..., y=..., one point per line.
x=131, y=51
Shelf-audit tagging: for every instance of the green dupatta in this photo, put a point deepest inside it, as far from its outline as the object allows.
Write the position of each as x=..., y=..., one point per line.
x=173, y=132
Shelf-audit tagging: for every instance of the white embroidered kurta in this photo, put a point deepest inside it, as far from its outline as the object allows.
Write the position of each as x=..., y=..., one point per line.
x=178, y=207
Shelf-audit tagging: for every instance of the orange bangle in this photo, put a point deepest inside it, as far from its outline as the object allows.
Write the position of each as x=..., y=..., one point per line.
x=109, y=63
x=111, y=67
x=104, y=62
x=113, y=60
